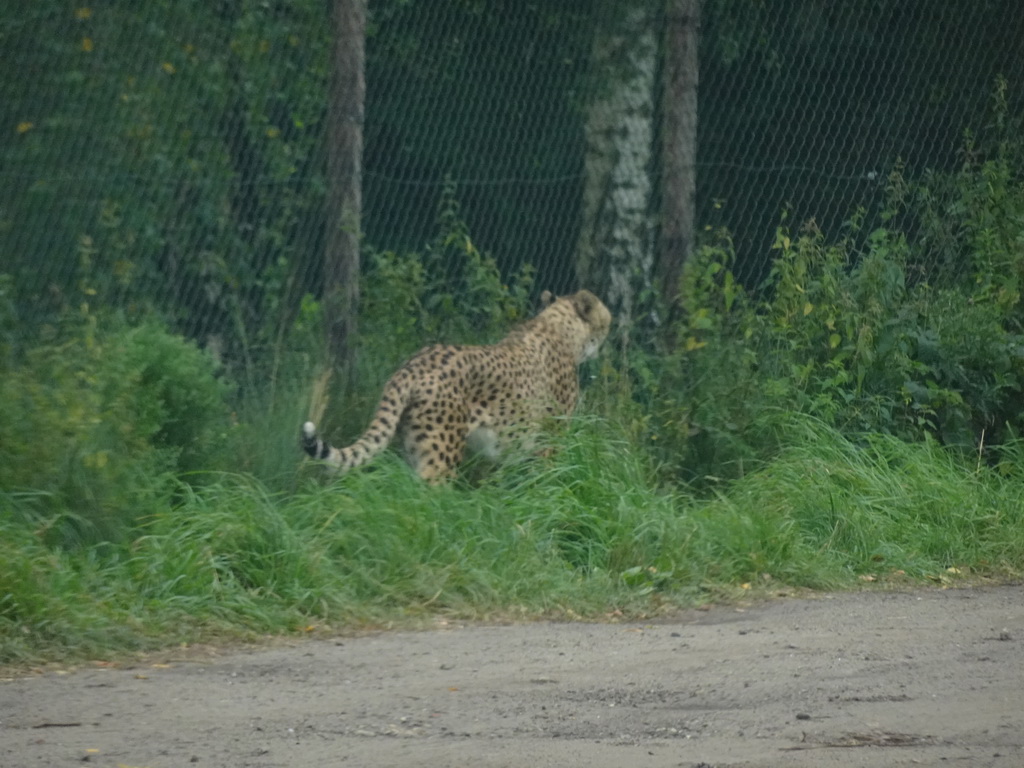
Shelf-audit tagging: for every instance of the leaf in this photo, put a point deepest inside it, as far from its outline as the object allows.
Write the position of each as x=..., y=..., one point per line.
x=692, y=344
x=728, y=291
x=833, y=340
x=808, y=308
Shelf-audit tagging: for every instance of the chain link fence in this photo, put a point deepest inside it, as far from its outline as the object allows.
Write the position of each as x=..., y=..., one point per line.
x=170, y=155
x=811, y=106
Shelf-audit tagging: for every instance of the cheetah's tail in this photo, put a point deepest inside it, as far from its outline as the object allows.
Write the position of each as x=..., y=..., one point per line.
x=317, y=448
x=372, y=442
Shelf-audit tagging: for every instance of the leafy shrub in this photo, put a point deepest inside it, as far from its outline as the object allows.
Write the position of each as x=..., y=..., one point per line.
x=451, y=292
x=99, y=421
x=708, y=396
x=171, y=392
x=856, y=331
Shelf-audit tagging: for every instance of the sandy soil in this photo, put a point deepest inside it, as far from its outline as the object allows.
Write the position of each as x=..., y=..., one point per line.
x=866, y=679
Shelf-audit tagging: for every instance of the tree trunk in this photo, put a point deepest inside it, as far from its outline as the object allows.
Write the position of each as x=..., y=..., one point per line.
x=615, y=254
x=678, y=145
x=344, y=184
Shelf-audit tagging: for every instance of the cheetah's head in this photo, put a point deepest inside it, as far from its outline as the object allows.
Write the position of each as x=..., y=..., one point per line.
x=596, y=319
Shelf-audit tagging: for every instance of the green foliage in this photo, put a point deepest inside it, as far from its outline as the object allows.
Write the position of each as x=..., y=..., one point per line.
x=813, y=415
x=830, y=509
x=710, y=404
x=583, y=532
x=971, y=219
x=168, y=389
x=53, y=600
x=451, y=292
x=209, y=213
x=185, y=157
x=855, y=331
x=98, y=419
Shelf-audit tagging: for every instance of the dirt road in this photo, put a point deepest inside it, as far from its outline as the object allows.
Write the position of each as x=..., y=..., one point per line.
x=867, y=679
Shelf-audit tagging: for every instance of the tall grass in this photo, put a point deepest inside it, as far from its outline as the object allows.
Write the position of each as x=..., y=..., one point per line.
x=585, y=532
x=828, y=509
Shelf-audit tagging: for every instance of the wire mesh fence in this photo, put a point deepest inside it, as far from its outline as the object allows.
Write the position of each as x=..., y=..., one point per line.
x=821, y=101
x=170, y=155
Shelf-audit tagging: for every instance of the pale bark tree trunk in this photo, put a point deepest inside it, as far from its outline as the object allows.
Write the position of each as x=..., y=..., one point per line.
x=615, y=254
x=678, y=144
x=346, y=101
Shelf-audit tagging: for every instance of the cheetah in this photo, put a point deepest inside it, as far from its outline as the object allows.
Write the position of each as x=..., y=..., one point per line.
x=447, y=399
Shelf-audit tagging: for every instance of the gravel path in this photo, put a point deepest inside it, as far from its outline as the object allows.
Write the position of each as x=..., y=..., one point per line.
x=863, y=679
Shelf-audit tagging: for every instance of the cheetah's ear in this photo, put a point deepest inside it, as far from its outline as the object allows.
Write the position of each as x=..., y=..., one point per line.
x=547, y=298
x=584, y=302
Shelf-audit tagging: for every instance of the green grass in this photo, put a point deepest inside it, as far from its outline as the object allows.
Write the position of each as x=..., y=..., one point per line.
x=584, y=533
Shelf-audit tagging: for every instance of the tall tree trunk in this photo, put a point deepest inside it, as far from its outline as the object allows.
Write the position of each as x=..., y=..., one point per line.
x=678, y=144
x=346, y=102
x=615, y=254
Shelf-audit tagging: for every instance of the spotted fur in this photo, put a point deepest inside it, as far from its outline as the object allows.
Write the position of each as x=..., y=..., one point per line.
x=447, y=399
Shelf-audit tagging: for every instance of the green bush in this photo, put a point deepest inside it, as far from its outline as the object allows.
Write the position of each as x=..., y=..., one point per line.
x=849, y=332
x=170, y=391
x=450, y=293
x=97, y=422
